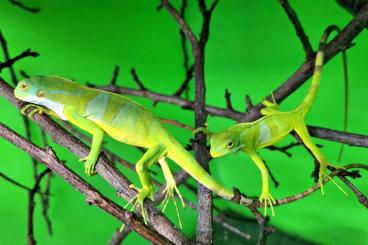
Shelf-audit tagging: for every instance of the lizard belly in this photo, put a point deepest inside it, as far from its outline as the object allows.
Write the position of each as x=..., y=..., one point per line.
x=124, y=120
x=126, y=134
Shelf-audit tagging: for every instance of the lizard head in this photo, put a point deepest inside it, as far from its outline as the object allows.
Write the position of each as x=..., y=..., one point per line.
x=30, y=90
x=223, y=143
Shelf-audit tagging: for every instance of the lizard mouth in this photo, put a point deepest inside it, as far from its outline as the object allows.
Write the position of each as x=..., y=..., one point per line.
x=215, y=154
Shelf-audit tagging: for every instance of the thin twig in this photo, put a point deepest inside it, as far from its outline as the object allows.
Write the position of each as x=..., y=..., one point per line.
x=24, y=7
x=119, y=236
x=137, y=80
x=176, y=123
x=45, y=199
x=229, y=105
x=184, y=86
x=24, y=54
x=221, y=220
x=13, y=182
x=31, y=206
x=284, y=149
x=341, y=42
x=298, y=28
x=115, y=75
x=317, y=186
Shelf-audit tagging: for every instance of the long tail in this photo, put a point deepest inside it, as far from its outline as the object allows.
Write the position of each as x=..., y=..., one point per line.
x=309, y=98
x=187, y=162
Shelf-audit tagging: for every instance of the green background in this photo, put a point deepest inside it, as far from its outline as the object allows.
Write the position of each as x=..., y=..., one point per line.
x=252, y=49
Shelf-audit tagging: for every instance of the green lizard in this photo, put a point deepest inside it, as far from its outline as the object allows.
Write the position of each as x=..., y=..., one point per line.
x=99, y=112
x=272, y=128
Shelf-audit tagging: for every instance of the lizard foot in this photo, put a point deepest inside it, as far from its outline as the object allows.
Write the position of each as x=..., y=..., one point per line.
x=89, y=165
x=36, y=109
x=270, y=107
x=142, y=194
x=322, y=174
x=169, y=192
x=268, y=200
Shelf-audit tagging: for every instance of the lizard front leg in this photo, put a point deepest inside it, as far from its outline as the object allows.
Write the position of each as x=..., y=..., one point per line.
x=266, y=196
x=37, y=109
x=151, y=156
x=90, y=161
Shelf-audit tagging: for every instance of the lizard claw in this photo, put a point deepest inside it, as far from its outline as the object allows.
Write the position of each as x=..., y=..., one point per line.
x=268, y=200
x=139, y=198
x=89, y=165
x=169, y=192
x=36, y=109
x=322, y=174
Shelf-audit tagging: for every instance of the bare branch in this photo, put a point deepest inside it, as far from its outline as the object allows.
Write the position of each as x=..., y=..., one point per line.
x=204, y=225
x=298, y=28
x=24, y=7
x=93, y=196
x=339, y=43
x=220, y=219
x=229, y=105
x=115, y=75
x=324, y=133
x=24, y=54
x=317, y=186
x=119, y=236
x=137, y=80
x=31, y=205
x=184, y=85
x=10, y=180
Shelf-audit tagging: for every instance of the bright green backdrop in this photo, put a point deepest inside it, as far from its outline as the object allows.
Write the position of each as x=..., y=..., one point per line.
x=252, y=49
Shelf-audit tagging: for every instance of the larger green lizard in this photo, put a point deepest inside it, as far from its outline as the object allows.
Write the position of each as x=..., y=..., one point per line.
x=99, y=112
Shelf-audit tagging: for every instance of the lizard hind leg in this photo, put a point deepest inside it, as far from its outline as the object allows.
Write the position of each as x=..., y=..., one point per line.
x=151, y=156
x=302, y=132
x=170, y=189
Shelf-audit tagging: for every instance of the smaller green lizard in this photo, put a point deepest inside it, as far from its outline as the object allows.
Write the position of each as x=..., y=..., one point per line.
x=272, y=128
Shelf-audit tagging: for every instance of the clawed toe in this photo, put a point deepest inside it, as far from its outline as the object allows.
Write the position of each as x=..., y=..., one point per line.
x=169, y=192
x=269, y=201
x=142, y=194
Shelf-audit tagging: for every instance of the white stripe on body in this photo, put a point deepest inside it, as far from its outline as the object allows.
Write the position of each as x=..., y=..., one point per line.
x=264, y=133
x=97, y=106
x=52, y=105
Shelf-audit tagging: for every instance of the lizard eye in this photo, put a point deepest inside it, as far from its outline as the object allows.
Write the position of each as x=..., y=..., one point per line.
x=23, y=86
x=230, y=144
x=40, y=93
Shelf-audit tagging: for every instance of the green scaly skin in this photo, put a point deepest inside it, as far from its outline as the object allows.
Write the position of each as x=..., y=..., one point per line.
x=273, y=127
x=99, y=112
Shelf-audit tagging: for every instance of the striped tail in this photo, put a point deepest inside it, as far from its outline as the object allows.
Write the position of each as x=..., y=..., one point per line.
x=309, y=98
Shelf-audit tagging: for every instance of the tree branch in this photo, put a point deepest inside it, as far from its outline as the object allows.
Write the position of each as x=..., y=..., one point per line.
x=24, y=7
x=319, y=132
x=24, y=54
x=298, y=29
x=93, y=196
x=341, y=42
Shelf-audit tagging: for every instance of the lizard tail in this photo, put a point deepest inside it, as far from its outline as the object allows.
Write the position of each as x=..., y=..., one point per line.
x=309, y=98
x=186, y=161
